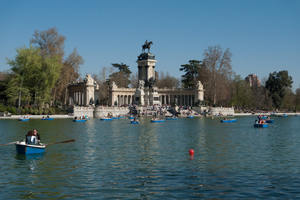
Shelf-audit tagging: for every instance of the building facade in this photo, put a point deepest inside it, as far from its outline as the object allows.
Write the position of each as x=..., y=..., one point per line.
x=253, y=80
x=84, y=92
x=147, y=93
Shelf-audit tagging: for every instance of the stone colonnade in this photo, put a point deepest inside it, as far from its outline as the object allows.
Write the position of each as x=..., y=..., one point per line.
x=182, y=100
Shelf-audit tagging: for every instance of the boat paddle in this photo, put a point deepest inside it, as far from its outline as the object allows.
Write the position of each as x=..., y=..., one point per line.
x=9, y=143
x=62, y=142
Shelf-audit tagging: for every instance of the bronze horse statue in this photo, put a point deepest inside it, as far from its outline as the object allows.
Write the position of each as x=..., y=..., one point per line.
x=147, y=46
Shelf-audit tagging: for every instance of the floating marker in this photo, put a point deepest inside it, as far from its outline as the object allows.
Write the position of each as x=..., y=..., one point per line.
x=191, y=152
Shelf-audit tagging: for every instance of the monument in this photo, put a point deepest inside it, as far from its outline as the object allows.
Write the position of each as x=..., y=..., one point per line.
x=146, y=92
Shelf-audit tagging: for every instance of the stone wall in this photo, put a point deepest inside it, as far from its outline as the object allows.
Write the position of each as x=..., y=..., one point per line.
x=84, y=111
x=103, y=111
x=222, y=111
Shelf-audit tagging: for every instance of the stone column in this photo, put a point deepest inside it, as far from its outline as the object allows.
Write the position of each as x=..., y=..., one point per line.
x=169, y=99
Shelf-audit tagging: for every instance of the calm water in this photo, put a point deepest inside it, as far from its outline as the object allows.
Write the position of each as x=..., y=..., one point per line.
x=119, y=160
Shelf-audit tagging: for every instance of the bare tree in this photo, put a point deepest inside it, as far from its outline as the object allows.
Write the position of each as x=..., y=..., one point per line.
x=217, y=65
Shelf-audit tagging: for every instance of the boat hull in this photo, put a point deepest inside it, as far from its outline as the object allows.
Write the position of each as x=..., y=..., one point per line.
x=270, y=120
x=48, y=119
x=109, y=119
x=282, y=115
x=130, y=117
x=79, y=120
x=157, y=121
x=134, y=122
x=260, y=125
x=264, y=117
x=190, y=117
x=116, y=118
x=170, y=118
x=23, y=120
x=24, y=148
x=228, y=121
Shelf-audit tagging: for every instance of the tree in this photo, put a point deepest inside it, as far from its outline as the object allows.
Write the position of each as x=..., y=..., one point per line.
x=277, y=84
x=217, y=66
x=32, y=77
x=52, y=45
x=50, y=42
x=121, y=78
x=191, y=73
x=165, y=80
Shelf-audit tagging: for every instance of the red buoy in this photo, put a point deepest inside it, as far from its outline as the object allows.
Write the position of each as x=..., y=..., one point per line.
x=191, y=152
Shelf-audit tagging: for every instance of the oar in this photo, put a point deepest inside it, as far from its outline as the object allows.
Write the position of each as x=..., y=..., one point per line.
x=61, y=142
x=9, y=143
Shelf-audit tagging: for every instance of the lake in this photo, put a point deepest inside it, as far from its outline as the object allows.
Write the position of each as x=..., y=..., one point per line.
x=119, y=160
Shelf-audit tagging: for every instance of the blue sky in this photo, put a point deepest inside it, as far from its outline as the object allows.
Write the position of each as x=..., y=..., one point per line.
x=263, y=36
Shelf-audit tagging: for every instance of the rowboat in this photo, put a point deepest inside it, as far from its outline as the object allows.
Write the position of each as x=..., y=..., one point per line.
x=270, y=120
x=264, y=117
x=131, y=117
x=48, y=119
x=106, y=119
x=170, y=118
x=296, y=115
x=283, y=115
x=116, y=118
x=260, y=125
x=79, y=120
x=24, y=148
x=157, y=121
x=122, y=117
x=190, y=116
x=23, y=120
x=134, y=122
x=273, y=114
x=228, y=120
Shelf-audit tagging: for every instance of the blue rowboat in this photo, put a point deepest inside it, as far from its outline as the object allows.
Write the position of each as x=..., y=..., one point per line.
x=106, y=119
x=79, y=120
x=270, y=120
x=170, y=118
x=190, y=116
x=264, y=117
x=296, y=115
x=23, y=120
x=260, y=125
x=131, y=117
x=24, y=148
x=273, y=114
x=122, y=117
x=116, y=118
x=284, y=115
x=157, y=121
x=48, y=119
x=228, y=120
x=134, y=122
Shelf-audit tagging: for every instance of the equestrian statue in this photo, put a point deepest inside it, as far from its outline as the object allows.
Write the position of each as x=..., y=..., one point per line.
x=147, y=46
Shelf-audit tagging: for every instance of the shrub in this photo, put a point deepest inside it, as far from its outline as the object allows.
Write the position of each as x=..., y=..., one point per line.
x=12, y=110
x=2, y=108
x=27, y=109
x=52, y=111
x=40, y=111
x=31, y=110
x=36, y=111
x=46, y=111
x=23, y=111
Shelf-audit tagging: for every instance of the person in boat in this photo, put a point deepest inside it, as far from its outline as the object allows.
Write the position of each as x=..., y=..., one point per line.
x=31, y=138
x=256, y=121
x=83, y=117
x=38, y=137
x=153, y=118
x=75, y=117
x=43, y=117
x=47, y=116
